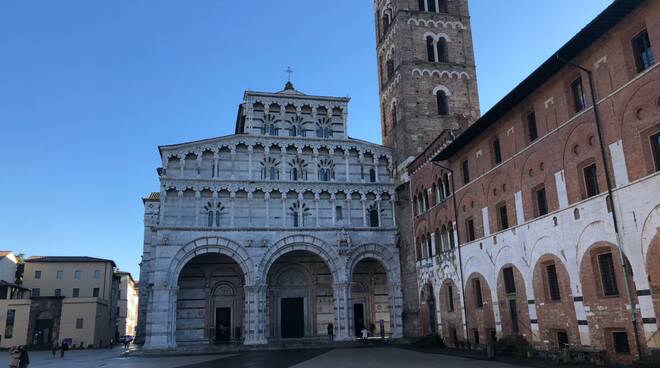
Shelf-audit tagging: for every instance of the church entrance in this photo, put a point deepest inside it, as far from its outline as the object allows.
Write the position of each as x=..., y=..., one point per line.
x=370, y=294
x=300, y=296
x=223, y=324
x=358, y=317
x=293, y=318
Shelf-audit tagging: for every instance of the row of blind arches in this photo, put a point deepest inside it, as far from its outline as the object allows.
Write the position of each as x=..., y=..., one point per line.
x=298, y=170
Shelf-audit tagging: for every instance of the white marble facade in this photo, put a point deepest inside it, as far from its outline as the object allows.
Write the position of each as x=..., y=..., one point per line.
x=287, y=210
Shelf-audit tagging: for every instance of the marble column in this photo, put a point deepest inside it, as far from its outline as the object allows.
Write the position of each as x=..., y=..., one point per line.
x=254, y=317
x=343, y=311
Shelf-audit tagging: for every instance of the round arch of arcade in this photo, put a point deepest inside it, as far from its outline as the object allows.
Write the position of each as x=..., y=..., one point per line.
x=210, y=245
x=302, y=243
x=377, y=252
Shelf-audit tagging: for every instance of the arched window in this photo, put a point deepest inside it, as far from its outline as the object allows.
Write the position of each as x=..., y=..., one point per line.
x=426, y=200
x=273, y=173
x=430, y=49
x=293, y=131
x=390, y=67
x=443, y=104
x=450, y=230
x=441, y=48
x=213, y=213
x=326, y=170
x=445, y=239
x=269, y=169
x=429, y=244
x=294, y=174
x=372, y=175
x=431, y=5
x=422, y=5
x=445, y=185
x=387, y=20
x=373, y=216
x=324, y=128
x=298, y=212
x=438, y=243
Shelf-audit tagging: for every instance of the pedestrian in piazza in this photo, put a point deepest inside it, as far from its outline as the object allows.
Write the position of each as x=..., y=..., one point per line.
x=14, y=357
x=331, y=332
x=24, y=358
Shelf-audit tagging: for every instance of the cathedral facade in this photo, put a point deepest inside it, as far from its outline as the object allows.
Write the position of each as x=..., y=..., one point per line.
x=274, y=232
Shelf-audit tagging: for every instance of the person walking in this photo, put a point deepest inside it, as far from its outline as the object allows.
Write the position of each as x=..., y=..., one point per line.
x=24, y=357
x=14, y=357
x=127, y=341
x=63, y=348
x=331, y=332
x=54, y=348
x=365, y=333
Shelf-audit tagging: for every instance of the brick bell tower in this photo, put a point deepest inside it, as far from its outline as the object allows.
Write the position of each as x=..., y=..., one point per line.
x=428, y=84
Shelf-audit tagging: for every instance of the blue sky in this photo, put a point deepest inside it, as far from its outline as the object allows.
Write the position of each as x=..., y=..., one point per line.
x=88, y=90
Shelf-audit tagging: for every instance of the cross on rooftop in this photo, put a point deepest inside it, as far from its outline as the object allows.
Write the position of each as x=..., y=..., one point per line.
x=289, y=71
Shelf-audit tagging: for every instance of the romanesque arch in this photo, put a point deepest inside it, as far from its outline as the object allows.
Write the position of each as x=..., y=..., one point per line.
x=513, y=303
x=479, y=309
x=428, y=310
x=451, y=316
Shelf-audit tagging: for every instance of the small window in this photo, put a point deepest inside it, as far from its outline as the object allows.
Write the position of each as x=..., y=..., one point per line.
x=579, y=102
x=442, y=6
x=553, y=282
x=509, y=281
x=422, y=5
x=466, y=171
x=607, y=274
x=79, y=324
x=339, y=215
x=9, y=323
x=77, y=274
x=590, y=174
x=469, y=226
x=373, y=217
x=95, y=292
x=620, y=342
x=76, y=293
x=441, y=49
x=37, y=274
x=503, y=217
x=532, y=131
x=394, y=117
x=443, y=104
x=476, y=283
x=431, y=5
x=390, y=68
x=450, y=298
x=58, y=292
x=36, y=292
x=541, y=202
x=655, y=150
x=643, y=51
x=97, y=274
x=476, y=336
x=372, y=175
x=497, y=151
x=60, y=275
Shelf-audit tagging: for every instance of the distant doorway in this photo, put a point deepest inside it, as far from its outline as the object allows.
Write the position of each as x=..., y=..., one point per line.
x=43, y=330
x=358, y=318
x=223, y=324
x=293, y=317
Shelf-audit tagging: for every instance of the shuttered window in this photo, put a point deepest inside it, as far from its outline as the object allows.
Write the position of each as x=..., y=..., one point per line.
x=607, y=275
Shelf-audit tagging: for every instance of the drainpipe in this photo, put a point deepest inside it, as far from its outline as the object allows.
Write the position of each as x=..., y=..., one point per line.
x=610, y=199
x=458, y=245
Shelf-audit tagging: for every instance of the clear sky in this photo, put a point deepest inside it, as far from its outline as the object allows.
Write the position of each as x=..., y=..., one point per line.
x=89, y=89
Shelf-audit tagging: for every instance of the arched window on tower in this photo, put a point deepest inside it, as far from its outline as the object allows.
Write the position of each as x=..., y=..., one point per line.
x=442, y=6
x=431, y=5
x=394, y=119
x=430, y=49
x=441, y=48
x=386, y=20
x=442, y=102
x=390, y=67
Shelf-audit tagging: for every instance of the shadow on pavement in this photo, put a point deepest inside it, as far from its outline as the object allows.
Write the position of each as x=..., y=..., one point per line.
x=259, y=359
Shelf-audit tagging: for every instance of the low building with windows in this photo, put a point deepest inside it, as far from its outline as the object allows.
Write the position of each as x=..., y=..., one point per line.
x=273, y=232
x=541, y=218
x=127, y=304
x=71, y=299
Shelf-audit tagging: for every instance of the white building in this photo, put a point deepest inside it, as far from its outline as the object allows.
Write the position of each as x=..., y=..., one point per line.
x=127, y=314
x=8, y=264
x=273, y=232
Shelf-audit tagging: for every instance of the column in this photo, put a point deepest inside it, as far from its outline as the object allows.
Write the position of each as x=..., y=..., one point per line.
x=395, y=297
x=348, y=209
x=179, y=207
x=361, y=162
x=216, y=171
x=267, y=199
x=161, y=319
x=333, y=209
x=317, y=198
x=282, y=162
x=283, y=209
x=249, y=208
x=376, y=167
x=332, y=159
x=393, y=210
x=380, y=220
x=433, y=240
x=254, y=316
x=232, y=204
x=346, y=160
x=232, y=154
x=250, y=150
x=315, y=153
x=214, y=198
x=364, y=210
x=182, y=167
x=301, y=215
x=198, y=162
x=343, y=311
x=198, y=198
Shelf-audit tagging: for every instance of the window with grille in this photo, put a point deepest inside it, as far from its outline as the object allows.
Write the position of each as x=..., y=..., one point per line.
x=509, y=281
x=579, y=102
x=643, y=51
x=607, y=274
x=590, y=174
x=36, y=292
x=532, y=131
x=541, y=202
x=553, y=282
x=620, y=342
x=477, y=292
x=497, y=151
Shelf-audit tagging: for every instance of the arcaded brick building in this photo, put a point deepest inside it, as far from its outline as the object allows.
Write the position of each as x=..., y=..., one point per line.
x=540, y=219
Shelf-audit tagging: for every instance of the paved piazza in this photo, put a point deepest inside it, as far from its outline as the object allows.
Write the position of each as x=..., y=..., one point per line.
x=380, y=357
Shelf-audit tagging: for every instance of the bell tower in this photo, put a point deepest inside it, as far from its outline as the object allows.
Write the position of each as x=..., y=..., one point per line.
x=427, y=84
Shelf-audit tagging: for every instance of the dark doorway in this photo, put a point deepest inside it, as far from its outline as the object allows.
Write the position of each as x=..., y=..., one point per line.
x=43, y=332
x=223, y=324
x=513, y=310
x=293, y=318
x=358, y=318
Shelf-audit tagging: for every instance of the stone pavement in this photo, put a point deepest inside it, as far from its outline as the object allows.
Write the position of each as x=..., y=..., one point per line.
x=363, y=357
